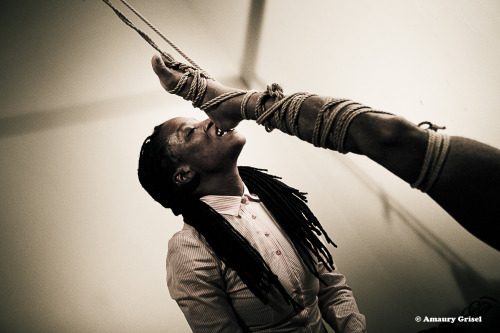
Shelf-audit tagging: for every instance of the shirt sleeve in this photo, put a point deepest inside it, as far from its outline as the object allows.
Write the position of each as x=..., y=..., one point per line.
x=195, y=282
x=337, y=303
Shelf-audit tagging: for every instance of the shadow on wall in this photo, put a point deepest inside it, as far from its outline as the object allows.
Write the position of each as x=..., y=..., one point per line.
x=472, y=285
x=42, y=120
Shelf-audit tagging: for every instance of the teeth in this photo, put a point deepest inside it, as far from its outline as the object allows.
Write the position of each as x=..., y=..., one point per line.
x=220, y=132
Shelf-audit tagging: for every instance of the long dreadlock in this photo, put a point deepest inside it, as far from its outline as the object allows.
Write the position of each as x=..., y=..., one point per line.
x=286, y=204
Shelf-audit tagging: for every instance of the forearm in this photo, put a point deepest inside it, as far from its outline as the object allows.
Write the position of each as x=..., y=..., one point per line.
x=337, y=304
x=460, y=174
x=389, y=140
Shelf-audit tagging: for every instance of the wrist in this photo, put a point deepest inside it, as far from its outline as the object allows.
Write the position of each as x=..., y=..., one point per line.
x=248, y=106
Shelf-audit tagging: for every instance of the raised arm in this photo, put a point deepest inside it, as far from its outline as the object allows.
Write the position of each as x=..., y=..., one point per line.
x=460, y=174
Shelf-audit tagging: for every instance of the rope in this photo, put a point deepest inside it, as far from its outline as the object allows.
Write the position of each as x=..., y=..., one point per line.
x=145, y=36
x=328, y=132
x=220, y=99
x=198, y=87
x=435, y=155
x=244, y=103
x=332, y=124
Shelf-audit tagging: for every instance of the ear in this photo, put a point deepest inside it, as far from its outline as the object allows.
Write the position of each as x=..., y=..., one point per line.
x=183, y=175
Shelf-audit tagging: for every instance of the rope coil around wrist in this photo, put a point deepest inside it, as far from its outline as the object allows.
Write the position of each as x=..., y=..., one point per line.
x=198, y=87
x=285, y=109
x=328, y=132
x=244, y=103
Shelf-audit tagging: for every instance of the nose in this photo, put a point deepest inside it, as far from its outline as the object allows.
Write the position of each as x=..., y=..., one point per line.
x=206, y=124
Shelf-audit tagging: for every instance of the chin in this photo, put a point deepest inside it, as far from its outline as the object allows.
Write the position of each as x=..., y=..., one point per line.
x=237, y=137
x=242, y=140
x=239, y=143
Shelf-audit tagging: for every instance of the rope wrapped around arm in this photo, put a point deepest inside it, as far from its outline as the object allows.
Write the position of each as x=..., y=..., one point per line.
x=437, y=149
x=332, y=122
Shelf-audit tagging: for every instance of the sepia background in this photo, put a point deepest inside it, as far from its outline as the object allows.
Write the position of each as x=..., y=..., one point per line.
x=82, y=245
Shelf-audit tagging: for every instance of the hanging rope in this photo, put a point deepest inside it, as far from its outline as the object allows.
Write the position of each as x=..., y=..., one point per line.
x=198, y=86
x=145, y=36
x=285, y=109
x=332, y=122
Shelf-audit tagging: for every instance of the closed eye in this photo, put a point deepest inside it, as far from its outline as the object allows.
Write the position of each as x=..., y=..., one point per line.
x=191, y=131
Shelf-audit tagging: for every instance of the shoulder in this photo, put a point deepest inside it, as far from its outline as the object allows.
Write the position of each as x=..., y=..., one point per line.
x=187, y=236
x=189, y=244
x=191, y=260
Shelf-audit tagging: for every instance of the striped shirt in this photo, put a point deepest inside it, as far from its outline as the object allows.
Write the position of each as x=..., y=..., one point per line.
x=214, y=299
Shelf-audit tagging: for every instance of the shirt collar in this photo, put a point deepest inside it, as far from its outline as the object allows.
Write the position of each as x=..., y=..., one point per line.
x=227, y=204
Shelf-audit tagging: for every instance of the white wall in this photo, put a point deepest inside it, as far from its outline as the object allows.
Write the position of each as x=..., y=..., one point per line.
x=82, y=246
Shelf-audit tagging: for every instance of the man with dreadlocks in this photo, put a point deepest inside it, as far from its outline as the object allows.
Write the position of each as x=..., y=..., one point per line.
x=248, y=258
x=460, y=174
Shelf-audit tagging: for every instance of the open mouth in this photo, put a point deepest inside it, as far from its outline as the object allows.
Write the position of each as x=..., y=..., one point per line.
x=220, y=132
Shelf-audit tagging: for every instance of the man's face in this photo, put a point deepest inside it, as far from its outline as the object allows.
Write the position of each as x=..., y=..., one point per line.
x=196, y=144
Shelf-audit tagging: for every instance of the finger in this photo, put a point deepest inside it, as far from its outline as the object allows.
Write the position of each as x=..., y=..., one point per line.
x=222, y=124
x=167, y=58
x=159, y=66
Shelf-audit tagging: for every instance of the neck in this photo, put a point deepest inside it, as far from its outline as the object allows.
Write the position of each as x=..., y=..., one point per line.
x=225, y=183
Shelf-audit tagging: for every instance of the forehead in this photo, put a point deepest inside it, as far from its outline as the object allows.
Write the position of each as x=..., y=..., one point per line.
x=170, y=131
x=175, y=125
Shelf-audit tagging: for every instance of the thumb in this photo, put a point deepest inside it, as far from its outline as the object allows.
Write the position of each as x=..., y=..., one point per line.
x=169, y=77
x=159, y=66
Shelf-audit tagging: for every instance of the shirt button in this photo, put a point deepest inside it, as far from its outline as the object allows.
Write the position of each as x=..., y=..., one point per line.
x=278, y=252
x=254, y=217
x=266, y=234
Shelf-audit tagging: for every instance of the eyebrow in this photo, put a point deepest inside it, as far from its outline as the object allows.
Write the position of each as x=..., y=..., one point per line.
x=179, y=128
x=180, y=131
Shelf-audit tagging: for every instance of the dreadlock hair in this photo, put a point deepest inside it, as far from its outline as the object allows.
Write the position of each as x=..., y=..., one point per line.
x=286, y=204
x=156, y=168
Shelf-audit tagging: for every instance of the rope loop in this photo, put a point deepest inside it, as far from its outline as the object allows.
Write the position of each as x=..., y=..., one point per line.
x=332, y=122
x=431, y=126
x=437, y=149
x=275, y=90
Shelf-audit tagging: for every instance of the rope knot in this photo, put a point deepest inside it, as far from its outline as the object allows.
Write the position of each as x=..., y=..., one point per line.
x=432, y=126
x=275, y=90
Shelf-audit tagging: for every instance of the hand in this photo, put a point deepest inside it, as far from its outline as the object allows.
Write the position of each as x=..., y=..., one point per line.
x=225, y=116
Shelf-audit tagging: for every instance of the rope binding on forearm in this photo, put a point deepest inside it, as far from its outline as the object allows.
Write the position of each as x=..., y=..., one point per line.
x=331, y=125
x=438, y=145
x=332, y=122
x=285, y=110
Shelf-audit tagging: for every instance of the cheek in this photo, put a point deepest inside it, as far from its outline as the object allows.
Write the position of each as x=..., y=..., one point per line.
x=209, y=156
x=213, y=154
